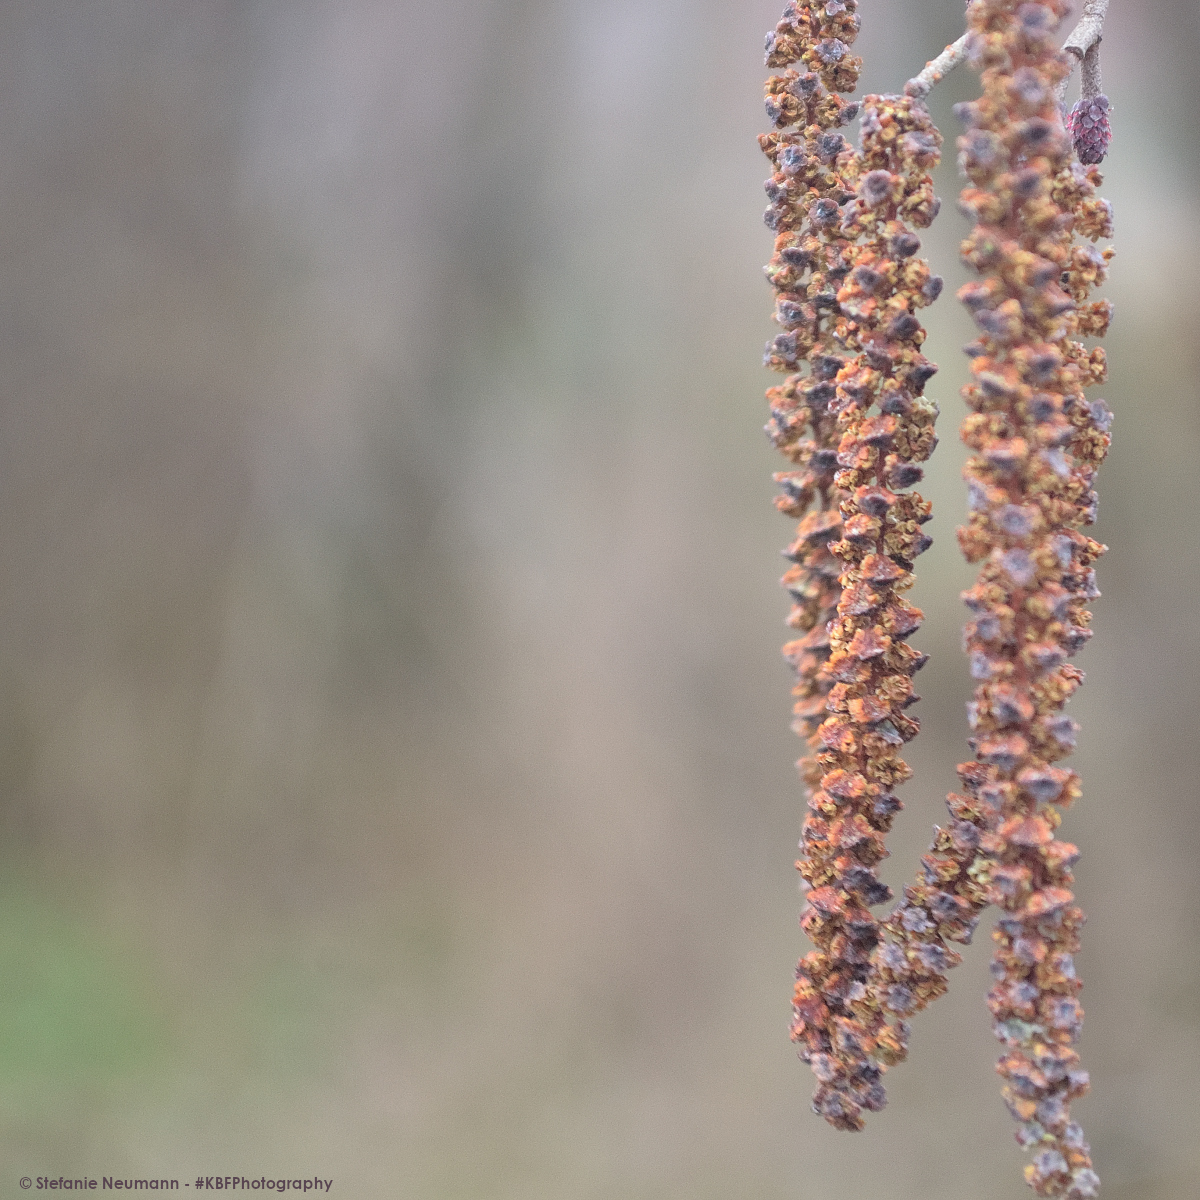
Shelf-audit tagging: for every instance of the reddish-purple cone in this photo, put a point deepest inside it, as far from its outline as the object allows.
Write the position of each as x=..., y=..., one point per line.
x=1090, y=129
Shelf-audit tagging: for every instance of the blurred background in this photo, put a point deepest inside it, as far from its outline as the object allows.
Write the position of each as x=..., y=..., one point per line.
x=395, y=774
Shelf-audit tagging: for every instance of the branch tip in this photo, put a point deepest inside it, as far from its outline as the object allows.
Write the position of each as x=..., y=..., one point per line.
x=1083, y=45
x=934, y=71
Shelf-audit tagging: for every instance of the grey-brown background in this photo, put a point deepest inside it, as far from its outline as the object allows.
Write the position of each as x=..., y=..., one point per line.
x=394, y=765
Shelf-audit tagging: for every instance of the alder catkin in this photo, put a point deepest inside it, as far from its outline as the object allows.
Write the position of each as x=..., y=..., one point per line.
x=1036, y=443
x=849, y=280
x=852, y=418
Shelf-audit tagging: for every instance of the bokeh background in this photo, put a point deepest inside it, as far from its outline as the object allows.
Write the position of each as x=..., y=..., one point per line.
x=395, y=774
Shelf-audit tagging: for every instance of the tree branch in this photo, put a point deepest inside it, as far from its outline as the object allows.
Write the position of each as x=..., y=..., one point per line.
x=934, y=71
x=1083, y=46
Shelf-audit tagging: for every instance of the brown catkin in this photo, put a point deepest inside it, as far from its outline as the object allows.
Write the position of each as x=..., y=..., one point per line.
x=1036, y=444
x=849, y=281
x=852, y=419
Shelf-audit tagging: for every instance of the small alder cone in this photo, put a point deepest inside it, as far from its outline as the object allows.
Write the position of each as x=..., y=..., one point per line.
x=1090, y=129
x=849, y=280
x=1036, y=444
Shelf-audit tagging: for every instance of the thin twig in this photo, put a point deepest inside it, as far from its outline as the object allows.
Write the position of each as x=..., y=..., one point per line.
x=934, y=71
x=1084, y=47
x=1089, y=76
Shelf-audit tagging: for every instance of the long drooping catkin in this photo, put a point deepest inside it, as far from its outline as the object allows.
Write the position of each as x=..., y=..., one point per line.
x=1036, y=444
x=887, y=428
x=849, y=280
x=852, y=418
x=806, y=190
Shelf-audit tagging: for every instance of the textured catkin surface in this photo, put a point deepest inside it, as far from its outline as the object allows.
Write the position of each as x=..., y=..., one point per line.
x=849, y=281
x=847, y=284
x=1036, y=443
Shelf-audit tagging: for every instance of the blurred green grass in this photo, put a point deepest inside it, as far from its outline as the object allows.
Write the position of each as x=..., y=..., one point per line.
x=77, y=1009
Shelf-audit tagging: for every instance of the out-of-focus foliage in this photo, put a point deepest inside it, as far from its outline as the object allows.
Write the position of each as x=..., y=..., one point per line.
x=394, y=752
